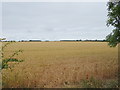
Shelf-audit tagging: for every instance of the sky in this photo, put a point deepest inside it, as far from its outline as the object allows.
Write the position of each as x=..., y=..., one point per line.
x=0, y=19
x=54, y=20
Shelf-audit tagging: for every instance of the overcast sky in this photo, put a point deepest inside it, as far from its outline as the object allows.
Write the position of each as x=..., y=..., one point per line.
x=54, y=20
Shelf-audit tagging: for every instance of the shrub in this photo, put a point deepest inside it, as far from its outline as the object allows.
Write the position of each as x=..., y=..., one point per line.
x=4, y=64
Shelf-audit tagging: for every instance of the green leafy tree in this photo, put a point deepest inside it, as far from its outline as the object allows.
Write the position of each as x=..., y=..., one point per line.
x=114, y=20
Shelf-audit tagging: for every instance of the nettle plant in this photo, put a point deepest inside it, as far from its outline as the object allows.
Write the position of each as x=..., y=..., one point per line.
x=6, y=61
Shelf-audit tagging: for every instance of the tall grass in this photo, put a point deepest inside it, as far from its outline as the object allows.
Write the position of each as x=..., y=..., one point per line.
x=63, y=64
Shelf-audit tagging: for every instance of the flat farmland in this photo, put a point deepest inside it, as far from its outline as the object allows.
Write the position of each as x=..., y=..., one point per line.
x=60, y=64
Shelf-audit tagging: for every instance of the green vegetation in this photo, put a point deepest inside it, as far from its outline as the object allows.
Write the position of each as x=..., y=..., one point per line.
x=11, y=58
x=114, y=20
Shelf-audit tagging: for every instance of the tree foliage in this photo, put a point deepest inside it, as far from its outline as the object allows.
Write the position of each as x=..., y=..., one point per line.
x=114, y=20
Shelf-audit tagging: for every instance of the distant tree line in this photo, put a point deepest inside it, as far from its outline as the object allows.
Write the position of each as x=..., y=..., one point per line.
x=87, y=40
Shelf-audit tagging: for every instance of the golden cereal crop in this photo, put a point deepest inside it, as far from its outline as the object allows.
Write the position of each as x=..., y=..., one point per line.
x=55, y=64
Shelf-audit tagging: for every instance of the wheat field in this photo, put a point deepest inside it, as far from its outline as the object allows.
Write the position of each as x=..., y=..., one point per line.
x=60, y=64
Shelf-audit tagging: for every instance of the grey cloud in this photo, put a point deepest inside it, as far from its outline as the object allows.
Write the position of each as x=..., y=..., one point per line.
x=55, y=21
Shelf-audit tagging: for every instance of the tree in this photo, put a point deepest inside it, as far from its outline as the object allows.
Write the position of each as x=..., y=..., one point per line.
x=114, y=20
